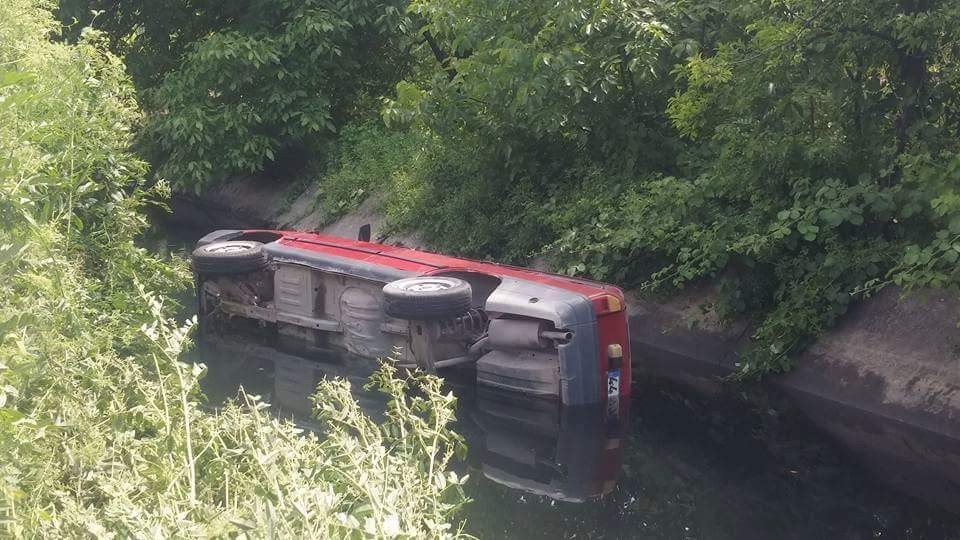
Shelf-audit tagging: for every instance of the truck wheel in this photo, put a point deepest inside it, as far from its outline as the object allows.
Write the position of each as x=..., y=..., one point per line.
x=230, y=257
x=427, y=297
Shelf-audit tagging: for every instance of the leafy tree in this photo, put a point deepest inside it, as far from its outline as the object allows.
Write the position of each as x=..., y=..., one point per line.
x=234, y=88
x=579, y=72
x=802, y=153
x=807, y=156
x=832, y=128
x=278, y=80
x=150, y=36
x=524, y=100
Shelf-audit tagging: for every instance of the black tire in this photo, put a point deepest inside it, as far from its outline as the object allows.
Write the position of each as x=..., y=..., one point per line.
x=230, y=257
x=427, y=297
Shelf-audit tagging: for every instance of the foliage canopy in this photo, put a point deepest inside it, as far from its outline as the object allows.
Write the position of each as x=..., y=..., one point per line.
x=236, y=88
x=800, y=153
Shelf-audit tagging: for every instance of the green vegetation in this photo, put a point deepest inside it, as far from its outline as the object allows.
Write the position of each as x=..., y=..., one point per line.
x=102, y=430
x=369, y=159
x=253, y=83
x=802, y=154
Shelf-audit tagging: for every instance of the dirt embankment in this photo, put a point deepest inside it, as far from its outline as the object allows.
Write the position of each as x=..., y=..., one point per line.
x=885, y=381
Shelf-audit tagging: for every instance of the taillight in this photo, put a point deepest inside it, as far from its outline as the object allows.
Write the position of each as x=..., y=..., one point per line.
x=608, y=303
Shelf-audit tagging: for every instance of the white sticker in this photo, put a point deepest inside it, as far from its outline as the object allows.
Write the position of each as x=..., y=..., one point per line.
x=613, y=393
x=613, y=383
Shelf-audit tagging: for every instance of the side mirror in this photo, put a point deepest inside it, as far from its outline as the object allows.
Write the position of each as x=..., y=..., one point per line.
x=363, y=234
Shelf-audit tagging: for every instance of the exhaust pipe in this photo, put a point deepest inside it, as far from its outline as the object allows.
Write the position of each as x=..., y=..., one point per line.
x=556, y=335
x=523, y=334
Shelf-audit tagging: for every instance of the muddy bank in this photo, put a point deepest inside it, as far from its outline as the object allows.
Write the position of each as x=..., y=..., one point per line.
x=885, y=382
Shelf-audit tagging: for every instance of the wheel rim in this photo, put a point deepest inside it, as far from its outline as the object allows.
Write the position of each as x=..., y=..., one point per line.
x=229, y=248
x=429, y=286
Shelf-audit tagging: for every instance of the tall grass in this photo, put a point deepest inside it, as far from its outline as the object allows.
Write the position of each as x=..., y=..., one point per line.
x=101, y=429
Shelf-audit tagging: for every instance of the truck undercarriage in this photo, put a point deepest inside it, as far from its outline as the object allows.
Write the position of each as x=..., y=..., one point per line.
x=529, y=332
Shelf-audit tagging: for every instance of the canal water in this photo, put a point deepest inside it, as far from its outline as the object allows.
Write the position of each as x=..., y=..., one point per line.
x=663, y=466
x=666, y=466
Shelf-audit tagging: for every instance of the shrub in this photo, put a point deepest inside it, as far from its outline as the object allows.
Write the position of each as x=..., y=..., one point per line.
x=806, y=151
x=270, y=87
x=370, y=158
x=102, y=430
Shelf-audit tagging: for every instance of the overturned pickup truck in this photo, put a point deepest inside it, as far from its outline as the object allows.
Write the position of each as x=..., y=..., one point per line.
x=530, y=332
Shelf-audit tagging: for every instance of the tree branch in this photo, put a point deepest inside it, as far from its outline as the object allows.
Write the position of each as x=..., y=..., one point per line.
x=442, y=57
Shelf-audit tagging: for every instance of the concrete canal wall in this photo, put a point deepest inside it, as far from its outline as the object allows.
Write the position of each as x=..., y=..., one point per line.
x=885, y=381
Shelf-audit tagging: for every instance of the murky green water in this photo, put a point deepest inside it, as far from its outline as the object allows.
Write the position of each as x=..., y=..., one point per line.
x=665, y=468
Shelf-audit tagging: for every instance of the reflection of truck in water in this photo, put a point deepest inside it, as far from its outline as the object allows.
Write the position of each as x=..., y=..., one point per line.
x=566, y=453
x=529, y=332
x=531, y=445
